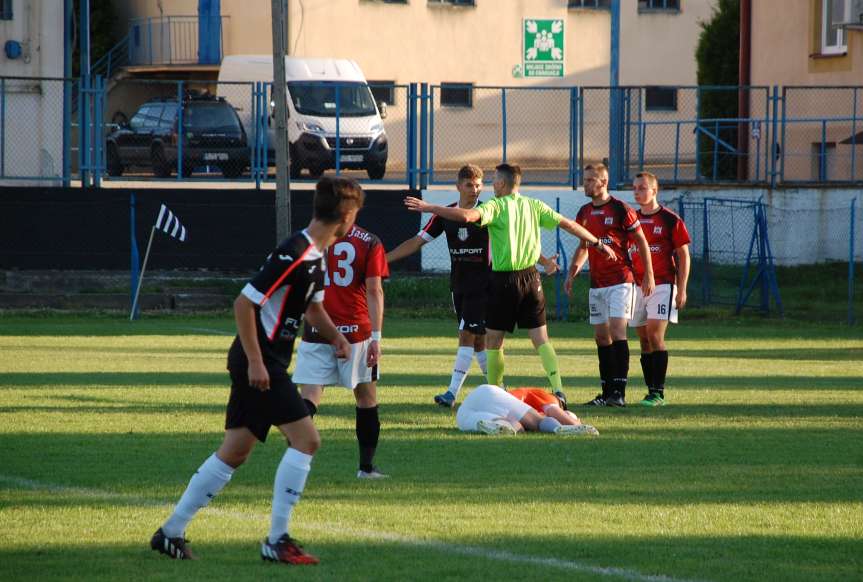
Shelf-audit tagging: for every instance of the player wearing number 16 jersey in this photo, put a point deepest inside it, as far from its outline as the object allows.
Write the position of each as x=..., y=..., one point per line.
x=669, y=241
x=354, y=299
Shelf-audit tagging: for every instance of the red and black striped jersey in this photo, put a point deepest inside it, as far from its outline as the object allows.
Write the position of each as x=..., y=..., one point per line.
x=665, y=232
x=612, y=223
x=290, y=279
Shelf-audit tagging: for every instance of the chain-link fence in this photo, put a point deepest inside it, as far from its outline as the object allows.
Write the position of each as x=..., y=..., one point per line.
x=35, y=128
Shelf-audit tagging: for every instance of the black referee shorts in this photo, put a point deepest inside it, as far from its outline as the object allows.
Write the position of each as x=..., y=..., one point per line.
x=516, y=298
x=470, y=310
x=258, y=410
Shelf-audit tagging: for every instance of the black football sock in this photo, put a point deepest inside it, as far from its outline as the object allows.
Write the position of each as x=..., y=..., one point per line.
x=368, y=432
x=313, y=410
x=606, y=354
x=647, y=369
x=620, y=362
x=660, y=367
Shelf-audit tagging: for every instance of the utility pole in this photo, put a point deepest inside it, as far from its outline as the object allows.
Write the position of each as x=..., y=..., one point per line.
x=280, y=113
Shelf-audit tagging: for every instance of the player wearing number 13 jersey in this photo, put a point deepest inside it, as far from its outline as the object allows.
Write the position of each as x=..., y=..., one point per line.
x=355, y=268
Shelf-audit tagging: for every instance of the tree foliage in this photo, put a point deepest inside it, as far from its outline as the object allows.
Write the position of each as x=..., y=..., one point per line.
x=717, y=56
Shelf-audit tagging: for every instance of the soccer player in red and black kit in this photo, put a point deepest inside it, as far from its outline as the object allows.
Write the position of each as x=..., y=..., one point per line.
x=354, y=300
x=268, y=312
x=612, y=292
x=469, y=274
x=669, y=241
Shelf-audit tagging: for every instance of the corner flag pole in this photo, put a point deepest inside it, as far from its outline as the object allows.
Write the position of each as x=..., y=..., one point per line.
x=141, y=276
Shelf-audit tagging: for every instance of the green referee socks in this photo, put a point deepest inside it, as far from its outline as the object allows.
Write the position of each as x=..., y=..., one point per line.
x=495, y=366
x=549, y=364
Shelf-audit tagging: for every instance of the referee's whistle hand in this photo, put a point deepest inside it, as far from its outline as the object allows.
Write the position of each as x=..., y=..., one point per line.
x=415, y=204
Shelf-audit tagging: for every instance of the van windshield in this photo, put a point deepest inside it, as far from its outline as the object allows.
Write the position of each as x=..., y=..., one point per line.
x=316, y=98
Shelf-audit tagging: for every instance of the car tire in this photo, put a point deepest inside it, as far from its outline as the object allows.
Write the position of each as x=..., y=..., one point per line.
x=232, y=170
x=113, y=163
x=377, y=171
x=161, y=169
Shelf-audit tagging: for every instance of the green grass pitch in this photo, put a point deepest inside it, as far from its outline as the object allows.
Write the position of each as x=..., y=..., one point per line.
x=753, y=472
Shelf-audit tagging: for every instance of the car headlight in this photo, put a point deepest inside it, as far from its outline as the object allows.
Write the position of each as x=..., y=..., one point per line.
x=377, y=127
x=310, y=127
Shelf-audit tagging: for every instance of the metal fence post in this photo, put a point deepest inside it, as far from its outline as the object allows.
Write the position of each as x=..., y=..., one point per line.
x=851, y=247
x=134, y=255
x=503, y=121
x=180, y=163
x=573, y=137
x=774, y=141
x=705, y=257
x=338, y=130
x=781, y=148
x=98, y=150
x=430, y=168
x=424, y=137
x=412, y=136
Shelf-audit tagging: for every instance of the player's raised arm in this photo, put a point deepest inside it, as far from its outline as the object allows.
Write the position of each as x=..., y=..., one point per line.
x=453, y=213
x=318, y=318
x=683, y=263
x=405, y=249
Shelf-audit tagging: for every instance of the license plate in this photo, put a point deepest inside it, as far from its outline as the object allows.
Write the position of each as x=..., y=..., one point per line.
x=351, y=158
x=215, y=157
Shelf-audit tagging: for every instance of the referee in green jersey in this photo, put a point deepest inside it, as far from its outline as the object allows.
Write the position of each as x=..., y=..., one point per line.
x=515, y=292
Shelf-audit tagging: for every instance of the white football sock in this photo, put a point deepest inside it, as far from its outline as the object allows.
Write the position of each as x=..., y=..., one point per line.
x=463, y=360
x=482, y=360
x=287, y=488
x=205, y=484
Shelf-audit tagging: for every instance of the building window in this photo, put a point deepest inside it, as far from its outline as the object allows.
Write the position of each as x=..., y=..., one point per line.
x=660, y=99
x=383, y=91
x=454, y=2
x=659, y=5
x=5, y=9
x=595, y=4
x=456, y=94
x=834, y=13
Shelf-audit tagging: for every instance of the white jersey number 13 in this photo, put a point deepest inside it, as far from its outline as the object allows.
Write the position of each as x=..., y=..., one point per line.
x=343, y=275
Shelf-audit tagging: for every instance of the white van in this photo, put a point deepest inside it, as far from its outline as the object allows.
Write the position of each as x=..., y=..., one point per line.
x=320, y=92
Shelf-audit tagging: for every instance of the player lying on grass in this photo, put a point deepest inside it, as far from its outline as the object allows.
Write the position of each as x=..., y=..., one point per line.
x=492, y=410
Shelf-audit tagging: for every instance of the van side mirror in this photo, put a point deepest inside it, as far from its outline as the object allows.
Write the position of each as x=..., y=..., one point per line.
x=382, y=108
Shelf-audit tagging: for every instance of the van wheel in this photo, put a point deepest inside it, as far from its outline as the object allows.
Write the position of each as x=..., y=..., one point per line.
x=161, y=169
x=377, y=171
x=295, y=170
x=115, y=167
x=316, y=172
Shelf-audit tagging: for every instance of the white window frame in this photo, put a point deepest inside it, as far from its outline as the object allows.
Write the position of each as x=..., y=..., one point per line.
x=842, y=47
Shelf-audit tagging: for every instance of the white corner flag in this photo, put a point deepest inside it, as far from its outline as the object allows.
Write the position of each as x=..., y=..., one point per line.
x=170, y=224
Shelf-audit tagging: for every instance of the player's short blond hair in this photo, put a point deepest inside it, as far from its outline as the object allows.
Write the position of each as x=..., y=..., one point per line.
x=470, y=172
x=652, y=181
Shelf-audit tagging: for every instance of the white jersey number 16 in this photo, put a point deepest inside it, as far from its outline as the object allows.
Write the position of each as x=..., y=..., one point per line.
x=345, y=253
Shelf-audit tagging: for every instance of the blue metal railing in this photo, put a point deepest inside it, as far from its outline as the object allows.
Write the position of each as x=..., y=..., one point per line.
x=113, y=60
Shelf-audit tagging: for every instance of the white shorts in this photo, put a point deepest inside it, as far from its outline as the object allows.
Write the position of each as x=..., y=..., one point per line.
x=318, y=364
x=661, y=304
x=614, y=301
x=489, y=402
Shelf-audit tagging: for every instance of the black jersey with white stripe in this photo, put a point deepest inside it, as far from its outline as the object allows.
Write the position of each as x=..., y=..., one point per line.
x=468, y=251
x=291, y=278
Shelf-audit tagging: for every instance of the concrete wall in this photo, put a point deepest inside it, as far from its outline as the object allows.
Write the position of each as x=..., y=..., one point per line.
x=805, y=226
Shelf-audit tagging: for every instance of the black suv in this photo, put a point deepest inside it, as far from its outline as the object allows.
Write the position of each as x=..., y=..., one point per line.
x=211, y=135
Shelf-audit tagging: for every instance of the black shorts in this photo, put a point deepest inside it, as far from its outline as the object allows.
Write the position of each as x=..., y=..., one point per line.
x=470, y=311
x=258, y=410
x=516, y=297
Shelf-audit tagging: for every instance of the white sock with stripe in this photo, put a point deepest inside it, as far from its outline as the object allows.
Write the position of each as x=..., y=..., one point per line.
x=482, y=360
x=210, y=478
x=288, y=487
x=463, y=360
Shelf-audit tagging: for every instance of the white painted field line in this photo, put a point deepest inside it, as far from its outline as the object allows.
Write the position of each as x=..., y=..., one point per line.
x=473, y=551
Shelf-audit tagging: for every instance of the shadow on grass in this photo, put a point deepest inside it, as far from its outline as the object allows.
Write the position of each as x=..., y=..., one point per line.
x=456, y=557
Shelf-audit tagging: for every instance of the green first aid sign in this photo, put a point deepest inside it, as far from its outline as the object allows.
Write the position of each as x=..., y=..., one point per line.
x=543, y=48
